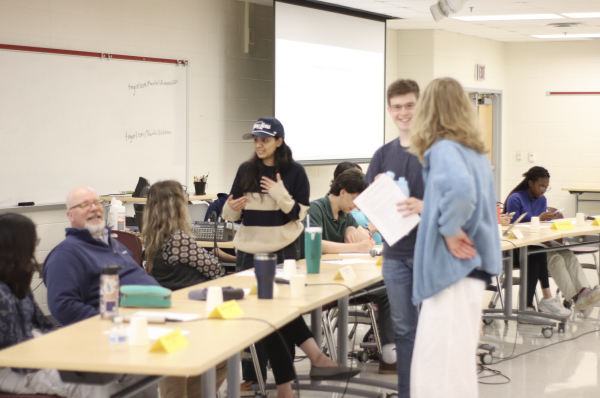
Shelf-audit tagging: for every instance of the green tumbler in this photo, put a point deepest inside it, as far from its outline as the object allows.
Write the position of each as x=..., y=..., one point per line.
x=312, y=249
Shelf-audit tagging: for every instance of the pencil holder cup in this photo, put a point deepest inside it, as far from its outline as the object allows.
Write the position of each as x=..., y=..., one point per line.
x=200, y=188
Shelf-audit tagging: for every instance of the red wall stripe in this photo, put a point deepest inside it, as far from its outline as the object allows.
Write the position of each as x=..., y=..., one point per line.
x=89, y=54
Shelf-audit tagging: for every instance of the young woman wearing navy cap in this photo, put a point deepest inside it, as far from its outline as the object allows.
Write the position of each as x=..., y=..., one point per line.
x=271, y=194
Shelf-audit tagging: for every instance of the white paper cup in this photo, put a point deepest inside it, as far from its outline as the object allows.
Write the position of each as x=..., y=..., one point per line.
x=580, y=218
x=297, y=285
x=289, y=268
x=214, y=298
x=500, y=231
x=535, y=223
x=138, y=331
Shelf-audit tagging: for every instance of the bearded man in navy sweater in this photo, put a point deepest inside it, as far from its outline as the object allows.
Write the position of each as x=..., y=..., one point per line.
x=72, y=269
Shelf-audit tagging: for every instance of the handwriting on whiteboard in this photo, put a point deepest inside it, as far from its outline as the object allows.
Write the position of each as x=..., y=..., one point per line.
x=149, y=83
x=130, y=137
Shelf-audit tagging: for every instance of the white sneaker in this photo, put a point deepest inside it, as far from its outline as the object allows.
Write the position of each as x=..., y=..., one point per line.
x=553, y=306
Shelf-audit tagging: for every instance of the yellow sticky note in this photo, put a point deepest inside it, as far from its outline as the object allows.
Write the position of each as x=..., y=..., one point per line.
x=170, y=342
x=596, y=221
x=561, y=225
x=227, y=310
x=379, y=261
x=345, y=273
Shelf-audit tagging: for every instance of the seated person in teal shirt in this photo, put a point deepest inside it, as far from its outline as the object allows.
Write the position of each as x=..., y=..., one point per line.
x=358, y=215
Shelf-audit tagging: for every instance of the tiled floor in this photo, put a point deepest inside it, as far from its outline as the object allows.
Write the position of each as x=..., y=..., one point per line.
x=566, y=365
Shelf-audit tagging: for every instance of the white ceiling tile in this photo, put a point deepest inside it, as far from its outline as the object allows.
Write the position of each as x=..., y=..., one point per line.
x=416, y=15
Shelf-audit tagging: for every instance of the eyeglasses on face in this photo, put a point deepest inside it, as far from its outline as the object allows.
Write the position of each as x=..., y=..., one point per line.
x=409, y=107
x=543, y=188
x=87, y=205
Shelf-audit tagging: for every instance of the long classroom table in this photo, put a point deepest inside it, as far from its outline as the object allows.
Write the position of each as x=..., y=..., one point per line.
x=544, y=234
x=84, y=347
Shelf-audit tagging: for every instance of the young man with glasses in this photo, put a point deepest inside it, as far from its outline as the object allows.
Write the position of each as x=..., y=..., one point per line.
x=402, y=96
x=72, y=269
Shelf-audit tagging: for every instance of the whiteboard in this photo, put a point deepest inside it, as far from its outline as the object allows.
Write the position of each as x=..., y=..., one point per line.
x=70, y=120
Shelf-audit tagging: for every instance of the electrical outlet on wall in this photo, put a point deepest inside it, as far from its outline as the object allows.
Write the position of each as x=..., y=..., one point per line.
x=532, y=157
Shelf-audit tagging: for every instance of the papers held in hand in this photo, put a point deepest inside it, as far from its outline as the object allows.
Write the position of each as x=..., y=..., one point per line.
x=378, y=202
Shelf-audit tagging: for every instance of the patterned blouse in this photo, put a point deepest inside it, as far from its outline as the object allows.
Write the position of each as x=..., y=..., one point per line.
x=18, y=318
x=183, y=263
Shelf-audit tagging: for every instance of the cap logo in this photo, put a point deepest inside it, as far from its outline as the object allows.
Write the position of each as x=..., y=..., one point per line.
x=261, y=126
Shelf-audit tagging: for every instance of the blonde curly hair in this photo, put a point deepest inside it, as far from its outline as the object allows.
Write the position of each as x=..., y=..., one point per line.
x=165, y=212
x=444, y=112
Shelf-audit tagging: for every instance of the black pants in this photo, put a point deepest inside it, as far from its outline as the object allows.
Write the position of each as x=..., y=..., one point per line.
x=537, y=270
x=279, y=351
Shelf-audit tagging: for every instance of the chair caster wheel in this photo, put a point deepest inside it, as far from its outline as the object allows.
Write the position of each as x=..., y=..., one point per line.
x=488, y=321
x=567, y=304
x=486, y=358
x=561, y=327
x=362, y=356
x=547, y=332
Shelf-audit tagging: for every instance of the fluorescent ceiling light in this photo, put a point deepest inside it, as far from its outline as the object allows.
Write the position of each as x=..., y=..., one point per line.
x=568, y=36
x=583, y=15
x=509, y=17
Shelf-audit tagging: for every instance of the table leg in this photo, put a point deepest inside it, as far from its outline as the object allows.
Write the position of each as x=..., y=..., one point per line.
x=508, y=284
x=342, y=325
x=577, y=203
x=234, y=377
x=523, y=279
x=209, y=383
x=315, y=324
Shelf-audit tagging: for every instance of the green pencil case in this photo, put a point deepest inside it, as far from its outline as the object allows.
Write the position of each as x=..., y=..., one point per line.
x=145, y=296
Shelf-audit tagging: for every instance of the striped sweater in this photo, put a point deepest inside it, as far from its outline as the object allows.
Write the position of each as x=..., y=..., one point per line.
x=270, y=221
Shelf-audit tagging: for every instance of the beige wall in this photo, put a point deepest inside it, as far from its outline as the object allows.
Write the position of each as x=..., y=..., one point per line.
x=563, y=131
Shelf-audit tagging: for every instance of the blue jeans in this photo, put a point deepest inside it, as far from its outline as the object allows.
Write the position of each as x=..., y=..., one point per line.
x=398, y=278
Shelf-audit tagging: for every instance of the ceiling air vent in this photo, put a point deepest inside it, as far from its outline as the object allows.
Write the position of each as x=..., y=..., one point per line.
x=562, y=25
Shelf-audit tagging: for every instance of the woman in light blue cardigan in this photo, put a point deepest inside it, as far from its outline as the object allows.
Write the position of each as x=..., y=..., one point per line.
x=458, y=245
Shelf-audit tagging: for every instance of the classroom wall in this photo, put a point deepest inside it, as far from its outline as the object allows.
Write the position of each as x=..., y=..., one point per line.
x=563, y=131
x=228, y=88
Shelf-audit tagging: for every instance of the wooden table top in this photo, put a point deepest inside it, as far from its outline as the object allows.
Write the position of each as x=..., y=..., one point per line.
x=84, y=347
x=315, y=296
x=546, y=234
x=582, y=189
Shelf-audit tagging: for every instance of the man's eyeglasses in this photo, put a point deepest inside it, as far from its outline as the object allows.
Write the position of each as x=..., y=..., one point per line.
x=397, y=108
x=87, y=205
x=543, y=188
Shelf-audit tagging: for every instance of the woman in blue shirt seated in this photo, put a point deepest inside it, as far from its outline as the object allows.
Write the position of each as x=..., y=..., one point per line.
x=528, y=197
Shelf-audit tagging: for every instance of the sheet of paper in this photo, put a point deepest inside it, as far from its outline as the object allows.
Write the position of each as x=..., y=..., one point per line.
x=250, y=272
x=529, y=226
x=170, y=316
x=246, y=292
x=353, y=254
x=349, y=261
x=154, y=332
x=378, y=202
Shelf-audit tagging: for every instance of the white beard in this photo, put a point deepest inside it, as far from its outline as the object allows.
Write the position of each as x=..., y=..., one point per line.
x=95, y=229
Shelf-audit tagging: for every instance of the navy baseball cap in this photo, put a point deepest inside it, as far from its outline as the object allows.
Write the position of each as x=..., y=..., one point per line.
x=266, y=127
